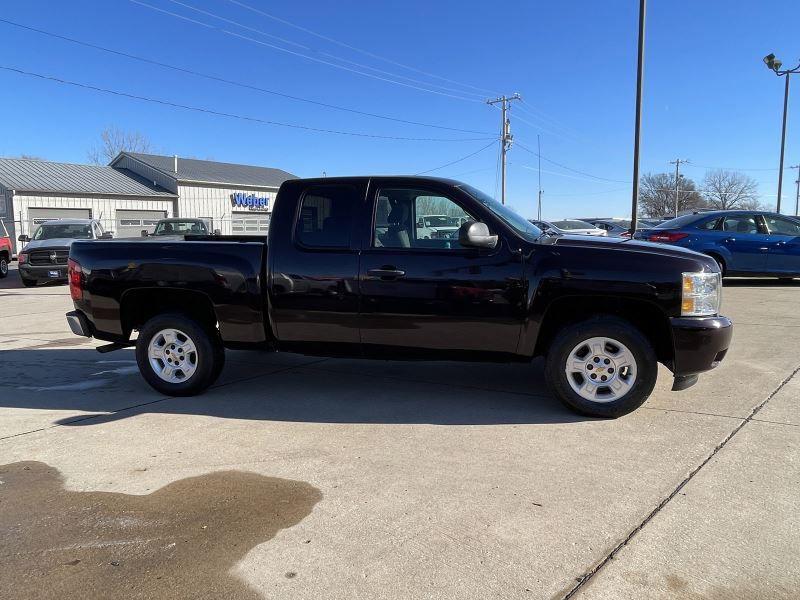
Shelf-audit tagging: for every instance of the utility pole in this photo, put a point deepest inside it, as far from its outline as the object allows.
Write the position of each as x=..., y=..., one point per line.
x=539, y=150
x=505, y=136
x=677, y=162
x=638, y=119
x=797, y=194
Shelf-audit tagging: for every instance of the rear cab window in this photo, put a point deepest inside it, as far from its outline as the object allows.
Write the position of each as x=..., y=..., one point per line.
x=325, y=217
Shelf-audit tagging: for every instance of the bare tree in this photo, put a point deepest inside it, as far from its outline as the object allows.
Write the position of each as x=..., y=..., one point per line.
x=657, y=195
x=728, y=190
x=113, y=141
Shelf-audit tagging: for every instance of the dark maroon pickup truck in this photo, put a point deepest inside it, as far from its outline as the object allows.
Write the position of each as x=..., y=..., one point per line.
x=350, y=270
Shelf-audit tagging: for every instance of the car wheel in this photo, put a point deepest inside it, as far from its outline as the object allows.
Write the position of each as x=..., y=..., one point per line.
x=177, y=356
x=28, y=282
x=602, y=367
x=3, y=267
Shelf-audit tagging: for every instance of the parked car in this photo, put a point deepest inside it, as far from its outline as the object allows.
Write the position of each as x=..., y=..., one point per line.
x=334, y=281
x=619, y=227
x=437, y=226
x=571, y=226
x=178, y=227
x=5, y=250
x=44, y=257
x=742, y=242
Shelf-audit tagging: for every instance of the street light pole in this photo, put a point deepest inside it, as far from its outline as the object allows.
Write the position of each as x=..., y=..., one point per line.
x=775, y=65
x=638, y=119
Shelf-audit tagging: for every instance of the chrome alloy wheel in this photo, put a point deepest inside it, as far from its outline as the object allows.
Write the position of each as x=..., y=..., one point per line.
x=173, y=355
x=601, y=369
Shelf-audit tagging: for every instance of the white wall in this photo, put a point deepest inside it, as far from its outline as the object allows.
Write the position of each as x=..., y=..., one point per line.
x=103, y=208
x=215, y=203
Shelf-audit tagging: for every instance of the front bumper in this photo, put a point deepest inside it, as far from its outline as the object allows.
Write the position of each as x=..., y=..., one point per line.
x=700, y=344
x=44, y=272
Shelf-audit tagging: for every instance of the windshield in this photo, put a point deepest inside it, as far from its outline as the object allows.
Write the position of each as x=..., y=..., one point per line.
x=573, y=224
x=519, y=224
x=63, y=230
x=180, y=228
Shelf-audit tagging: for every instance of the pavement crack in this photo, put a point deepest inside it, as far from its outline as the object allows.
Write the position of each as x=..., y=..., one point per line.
x=582, y=580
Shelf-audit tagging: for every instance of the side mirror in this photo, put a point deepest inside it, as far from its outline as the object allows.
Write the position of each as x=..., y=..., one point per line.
x=144, y=233
x=476, y=235
x=24, y=238
x=217, y=232
x=107, y=235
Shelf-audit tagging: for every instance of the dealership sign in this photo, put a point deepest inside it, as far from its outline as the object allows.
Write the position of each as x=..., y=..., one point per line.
x=249, y=201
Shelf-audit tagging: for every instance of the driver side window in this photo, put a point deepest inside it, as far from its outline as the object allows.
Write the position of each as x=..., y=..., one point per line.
x=416, y=218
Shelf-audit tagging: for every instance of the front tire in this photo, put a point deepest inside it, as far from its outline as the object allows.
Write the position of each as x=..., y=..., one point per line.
x=601, y=367
x=28, y=282
x=177, y=356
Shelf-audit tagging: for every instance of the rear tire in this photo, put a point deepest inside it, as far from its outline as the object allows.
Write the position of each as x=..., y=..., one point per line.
x=3, y=267
x=177, y=356
x=604, y=348
x=28, y=282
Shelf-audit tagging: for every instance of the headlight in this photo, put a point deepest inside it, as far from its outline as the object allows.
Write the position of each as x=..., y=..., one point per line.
x=701, y=294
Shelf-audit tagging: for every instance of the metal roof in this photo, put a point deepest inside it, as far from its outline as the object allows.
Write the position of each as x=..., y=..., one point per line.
x=208, y=171
x=26, y=175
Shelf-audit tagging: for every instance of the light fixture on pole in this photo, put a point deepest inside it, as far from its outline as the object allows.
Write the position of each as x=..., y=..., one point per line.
x=774, y=65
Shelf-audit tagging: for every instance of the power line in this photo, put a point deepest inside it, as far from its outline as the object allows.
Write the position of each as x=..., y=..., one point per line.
x=360, y=65
x=226, y=114
x=458, y=160
x=354, y=48
x=563, y=166
x=230, y=81
x=293, y=52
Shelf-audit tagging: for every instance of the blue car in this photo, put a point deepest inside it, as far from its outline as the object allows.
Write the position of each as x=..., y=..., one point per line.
x=743, y=242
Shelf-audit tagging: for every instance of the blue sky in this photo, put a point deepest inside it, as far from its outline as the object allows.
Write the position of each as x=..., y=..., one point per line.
x=708, y=96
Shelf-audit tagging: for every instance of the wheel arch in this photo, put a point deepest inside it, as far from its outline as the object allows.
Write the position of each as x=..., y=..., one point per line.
x=139, y=305
x=645, y=316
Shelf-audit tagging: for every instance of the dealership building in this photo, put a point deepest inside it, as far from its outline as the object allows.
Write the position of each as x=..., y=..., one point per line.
x=135, y=191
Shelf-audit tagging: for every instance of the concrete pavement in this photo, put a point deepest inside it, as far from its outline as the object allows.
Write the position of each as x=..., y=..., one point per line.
x=421, y=480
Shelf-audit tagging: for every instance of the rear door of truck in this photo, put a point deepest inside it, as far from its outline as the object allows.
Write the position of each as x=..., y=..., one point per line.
x=314, y=259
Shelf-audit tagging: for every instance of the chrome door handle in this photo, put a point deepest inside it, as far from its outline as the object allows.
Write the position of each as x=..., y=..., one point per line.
x=386, y=273
x=763, y=249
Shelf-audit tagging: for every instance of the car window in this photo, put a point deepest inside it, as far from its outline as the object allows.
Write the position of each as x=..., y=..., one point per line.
x=63, y=230
x=740, y=224
x=679, y=222
x=782, y=226
x=325, y=216
x=573, y=224
x=708, y=225
x=416, y=218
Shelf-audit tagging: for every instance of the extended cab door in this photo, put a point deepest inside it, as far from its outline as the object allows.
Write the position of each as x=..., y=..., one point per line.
x=422, y=292
x=313, y=253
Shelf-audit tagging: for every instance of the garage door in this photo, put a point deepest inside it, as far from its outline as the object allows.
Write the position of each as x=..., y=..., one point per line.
x=250, y=223
x=37, y=216
x=131, y=222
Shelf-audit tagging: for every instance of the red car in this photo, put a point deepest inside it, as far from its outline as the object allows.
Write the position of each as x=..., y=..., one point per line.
x=5, y=250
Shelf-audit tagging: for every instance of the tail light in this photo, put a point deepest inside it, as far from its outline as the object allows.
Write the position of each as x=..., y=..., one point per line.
x=76, y=279
x=667, y=237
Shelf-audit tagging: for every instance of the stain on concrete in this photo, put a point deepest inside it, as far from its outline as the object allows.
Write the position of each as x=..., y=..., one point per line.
x=180, y=541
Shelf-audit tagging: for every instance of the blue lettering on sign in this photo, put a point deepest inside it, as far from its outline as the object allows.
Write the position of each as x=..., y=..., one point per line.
x=249, y=200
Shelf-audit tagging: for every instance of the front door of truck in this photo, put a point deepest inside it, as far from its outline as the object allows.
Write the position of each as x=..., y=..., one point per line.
x=314, y=269
x=423, y=291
